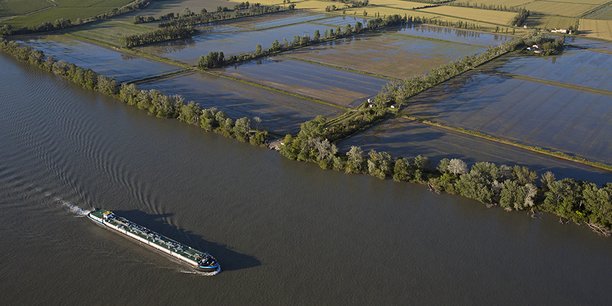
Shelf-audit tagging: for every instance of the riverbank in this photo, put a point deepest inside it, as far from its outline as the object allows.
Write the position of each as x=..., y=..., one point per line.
x=312, y=144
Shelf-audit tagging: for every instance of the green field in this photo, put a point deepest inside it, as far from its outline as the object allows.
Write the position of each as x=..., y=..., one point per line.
x=111, y=32
x=20, y=7
x=29, y=13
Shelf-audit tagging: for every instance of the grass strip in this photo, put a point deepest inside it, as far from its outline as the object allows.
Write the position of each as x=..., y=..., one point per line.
x=159, y=76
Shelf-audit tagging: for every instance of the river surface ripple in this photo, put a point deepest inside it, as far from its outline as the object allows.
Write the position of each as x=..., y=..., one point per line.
x=284, y=232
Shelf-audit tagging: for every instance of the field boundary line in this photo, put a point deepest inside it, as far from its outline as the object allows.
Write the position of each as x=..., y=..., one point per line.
x=376, y=75
x=438, y=14
x=594, y=9
x=556, y=154
x=268, y=88
x=160, y=76
x=289, y=24
x=435, y=39
x=555, y=83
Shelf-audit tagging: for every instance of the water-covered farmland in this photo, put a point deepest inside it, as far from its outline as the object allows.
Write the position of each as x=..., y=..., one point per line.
x=455, y=35
x=534, y=113
x=575, y=66
x=404, y=137
x=389, y=54
x=328, y=84
x=279, y=113
x=118, y=65
x=230, y=43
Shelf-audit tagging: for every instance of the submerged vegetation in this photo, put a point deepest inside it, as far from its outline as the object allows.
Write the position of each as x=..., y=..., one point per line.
x=152, y=101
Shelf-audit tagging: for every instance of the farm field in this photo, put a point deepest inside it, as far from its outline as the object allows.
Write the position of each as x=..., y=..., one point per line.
x=279, y=113
x=570, y=9
x=111, y=31
x=486, y=19
x=407, y=138
x=455, y=35
x=591, y=44
x=105, y=61
x=230, y=43
x=589, y=69
x=328, y=84
x=550, y=22
x=21, y=7
x=601, y=29
x=396, y=56
x=489, y=16
x=508, y=3
x=68, y=9
x=158, y=8
x=604, y=12
x=342, y=21
x=533, y=113
x=277, y=20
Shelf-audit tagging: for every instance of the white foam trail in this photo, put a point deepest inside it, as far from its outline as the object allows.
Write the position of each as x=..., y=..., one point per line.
x=71, y=207
x=197, y=272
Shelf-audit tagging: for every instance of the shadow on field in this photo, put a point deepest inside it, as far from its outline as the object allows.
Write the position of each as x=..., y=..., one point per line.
x=280, y=114
x=229, y=259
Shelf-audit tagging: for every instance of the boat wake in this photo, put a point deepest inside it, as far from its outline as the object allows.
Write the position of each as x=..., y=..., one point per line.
x=67, y=205
x=200, y=273
x=71, y=207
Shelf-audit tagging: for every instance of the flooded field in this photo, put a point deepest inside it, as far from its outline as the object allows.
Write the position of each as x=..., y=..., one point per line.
x=342, y=21
x=121, y=66
x=312, y=80
x=391, y=55
x=403, y=137
x=455, y=35
x=268, y=220
x=279, y=113
x=592, y=44
x=533, y=113
x=279, y=20
x=230, y=43
x=588, y=68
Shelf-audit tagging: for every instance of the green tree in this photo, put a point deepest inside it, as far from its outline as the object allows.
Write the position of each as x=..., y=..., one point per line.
x=355, y=161
x=598, y=203
x=208, y=121
x=563, y=198
x=401, y=170
x=276, y=46
x=242, y=129
x=379, y=164
x=189, y=113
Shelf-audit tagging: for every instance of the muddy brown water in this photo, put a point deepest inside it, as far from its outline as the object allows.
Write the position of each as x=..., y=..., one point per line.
x=284, y=232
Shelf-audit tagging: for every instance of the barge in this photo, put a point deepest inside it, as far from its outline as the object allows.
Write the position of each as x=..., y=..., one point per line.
x=201, y=261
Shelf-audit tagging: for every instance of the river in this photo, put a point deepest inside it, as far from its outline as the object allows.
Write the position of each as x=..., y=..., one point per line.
x=284, y=232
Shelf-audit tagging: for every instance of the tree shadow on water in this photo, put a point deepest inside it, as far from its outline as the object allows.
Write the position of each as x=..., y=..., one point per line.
x=230, y=259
